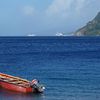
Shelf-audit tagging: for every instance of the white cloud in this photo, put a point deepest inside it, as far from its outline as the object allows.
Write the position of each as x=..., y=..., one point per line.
x=28, y=10
x=59, y=7
x=66, y=7
x=80, y=5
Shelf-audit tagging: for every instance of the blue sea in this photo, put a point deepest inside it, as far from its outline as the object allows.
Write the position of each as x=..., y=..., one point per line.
x=69, y=67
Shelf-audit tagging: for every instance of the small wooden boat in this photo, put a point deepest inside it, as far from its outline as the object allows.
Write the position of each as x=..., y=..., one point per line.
x=20, y=85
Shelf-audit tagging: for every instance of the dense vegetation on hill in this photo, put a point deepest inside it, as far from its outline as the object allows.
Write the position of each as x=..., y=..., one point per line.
x=91, y=29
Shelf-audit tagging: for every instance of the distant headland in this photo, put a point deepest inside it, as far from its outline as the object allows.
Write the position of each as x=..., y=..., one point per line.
x=92, y=28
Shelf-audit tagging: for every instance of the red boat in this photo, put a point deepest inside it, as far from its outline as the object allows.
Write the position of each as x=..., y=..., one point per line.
x=20, y=85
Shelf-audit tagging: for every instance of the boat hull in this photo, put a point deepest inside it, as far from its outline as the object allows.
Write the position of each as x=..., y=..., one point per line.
x=16, y=88
x=20, y=85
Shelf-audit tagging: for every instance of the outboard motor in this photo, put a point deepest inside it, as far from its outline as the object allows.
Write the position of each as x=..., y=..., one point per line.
x=36, y=86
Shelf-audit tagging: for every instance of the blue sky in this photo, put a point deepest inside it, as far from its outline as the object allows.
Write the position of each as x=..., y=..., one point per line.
x=45, y=17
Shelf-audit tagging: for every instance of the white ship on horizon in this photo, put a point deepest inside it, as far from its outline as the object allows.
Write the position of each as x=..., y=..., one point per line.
x=59, y=34
x=31, y=35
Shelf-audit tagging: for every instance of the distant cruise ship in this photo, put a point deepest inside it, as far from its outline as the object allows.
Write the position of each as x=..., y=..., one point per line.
x=31, y=35
x=59, y=34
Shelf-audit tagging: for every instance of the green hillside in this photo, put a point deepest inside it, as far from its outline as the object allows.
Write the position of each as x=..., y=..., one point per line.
x=91, y=29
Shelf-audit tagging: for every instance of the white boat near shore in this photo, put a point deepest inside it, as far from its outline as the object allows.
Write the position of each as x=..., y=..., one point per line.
x=59, y=34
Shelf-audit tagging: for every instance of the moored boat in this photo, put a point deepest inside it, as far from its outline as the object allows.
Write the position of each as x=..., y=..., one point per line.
x=20, y=85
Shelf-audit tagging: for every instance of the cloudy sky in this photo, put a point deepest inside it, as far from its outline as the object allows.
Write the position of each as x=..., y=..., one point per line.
x=45, y=17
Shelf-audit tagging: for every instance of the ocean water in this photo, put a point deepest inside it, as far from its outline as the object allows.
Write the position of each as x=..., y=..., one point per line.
x=69, y=67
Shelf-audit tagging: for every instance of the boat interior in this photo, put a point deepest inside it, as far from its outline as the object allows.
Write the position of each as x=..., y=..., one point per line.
x=14, y=80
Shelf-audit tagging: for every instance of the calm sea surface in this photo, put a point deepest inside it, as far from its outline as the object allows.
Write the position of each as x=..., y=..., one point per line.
x=69, y=67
